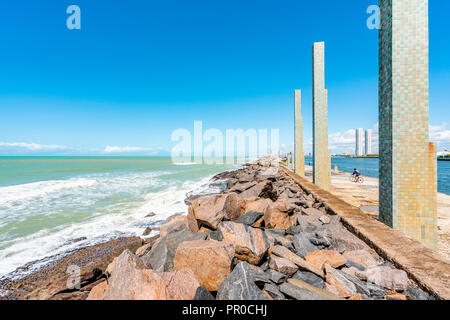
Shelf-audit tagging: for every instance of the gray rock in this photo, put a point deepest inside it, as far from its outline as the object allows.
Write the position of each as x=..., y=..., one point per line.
x=274, y=292
x=365, y=288
x=259, y=275
x=249, y=218
x=417, y=294
x=163, y=252
x=203, y=294
x=350, y=264
x=147, y=231
x=310, y=278
x=240, y=285
x=215, y=235
x=275, y=276
x=274, y=236
x=279, y=231
x=265, y=266
x=321, y=237
x=303, y=245
x=302, y=293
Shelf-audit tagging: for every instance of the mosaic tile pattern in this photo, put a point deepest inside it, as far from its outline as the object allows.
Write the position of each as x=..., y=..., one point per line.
x=299, y=156
x=408, y=178
x=321, y=154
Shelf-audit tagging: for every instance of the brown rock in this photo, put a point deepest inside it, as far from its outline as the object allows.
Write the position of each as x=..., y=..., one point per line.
x=258, y=206
x=259, y=223
x=282, y=265
x=193, y=224
x=279, y=215
x=250, y=243
x=147, y=231
x=257, y=190
x=209, y=260
x=324, y=219
x=98, y=292
x=141, y=251
x=173, y=223
x=338, y=284
x=318, y=258
x=286, y=253
x=361, y=257
x=130, y=280
x=151, y=214
x=386, y=277
x=395, y=296
x=211, y=210
x=355, y=297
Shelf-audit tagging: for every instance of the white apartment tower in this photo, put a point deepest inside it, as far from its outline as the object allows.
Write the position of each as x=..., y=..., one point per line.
x=359, y=142
x=368, y=141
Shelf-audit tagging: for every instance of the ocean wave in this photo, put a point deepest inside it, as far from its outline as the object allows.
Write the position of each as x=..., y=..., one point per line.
x=122, y=218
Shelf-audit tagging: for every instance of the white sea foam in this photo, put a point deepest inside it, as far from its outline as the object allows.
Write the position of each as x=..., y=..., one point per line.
x=108, y=222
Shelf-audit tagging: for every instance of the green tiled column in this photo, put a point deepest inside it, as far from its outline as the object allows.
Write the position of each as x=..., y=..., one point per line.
x=408, y=187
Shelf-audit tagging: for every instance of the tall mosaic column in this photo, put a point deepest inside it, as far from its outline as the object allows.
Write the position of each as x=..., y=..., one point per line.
x=299, y=156
x=408, y=174
x=321, y=154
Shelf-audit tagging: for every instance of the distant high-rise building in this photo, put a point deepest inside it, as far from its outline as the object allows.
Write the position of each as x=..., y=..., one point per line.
x=368, y=141
x=359, y=142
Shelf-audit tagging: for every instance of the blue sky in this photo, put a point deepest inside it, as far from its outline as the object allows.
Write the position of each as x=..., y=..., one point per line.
x=137, y=70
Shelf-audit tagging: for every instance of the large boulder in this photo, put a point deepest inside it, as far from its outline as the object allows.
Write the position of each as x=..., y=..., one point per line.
x=98, y=292
x=272, y=292
x=361, y=257
x=240, y=285
x=250, y=218
x=263, y=189
x=282, y=265
x=258, y=206
x=211, y=210
x=310, y=278
x=303, y=264
x=174, y=223
x=303, y=245
x=251, y=244
x=338, y=284
x=301, y=290
x=161, y=255
x=210, y=261
x=129, y=279
x=318, y=258
x=280, y=215
x=385, y=276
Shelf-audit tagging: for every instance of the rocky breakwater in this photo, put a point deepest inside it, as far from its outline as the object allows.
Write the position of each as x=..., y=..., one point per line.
x=262, y=238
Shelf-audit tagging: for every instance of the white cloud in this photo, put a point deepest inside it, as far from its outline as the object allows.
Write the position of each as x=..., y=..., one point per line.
x=30, y=146
x=115, y=149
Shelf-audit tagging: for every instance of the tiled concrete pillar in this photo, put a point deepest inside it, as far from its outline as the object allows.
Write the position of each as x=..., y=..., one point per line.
x=321, y=154
x=408, y=187
x=299, y=157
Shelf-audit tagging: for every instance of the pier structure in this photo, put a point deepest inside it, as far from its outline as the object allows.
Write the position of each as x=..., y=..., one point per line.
x=408, y=166
x=299, y=156
x=321, y=153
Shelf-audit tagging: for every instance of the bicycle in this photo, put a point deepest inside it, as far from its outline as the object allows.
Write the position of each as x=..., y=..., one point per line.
x=353, y=179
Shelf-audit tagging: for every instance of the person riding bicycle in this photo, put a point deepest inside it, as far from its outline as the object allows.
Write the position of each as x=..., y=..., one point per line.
x=356, y=174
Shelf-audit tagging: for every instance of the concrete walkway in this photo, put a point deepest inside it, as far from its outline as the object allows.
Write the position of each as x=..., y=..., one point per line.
x=365, y=197
x=428, y=268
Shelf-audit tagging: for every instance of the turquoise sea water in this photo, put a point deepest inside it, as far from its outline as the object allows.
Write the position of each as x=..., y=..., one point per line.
x=369, y=167
x=48, y=202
